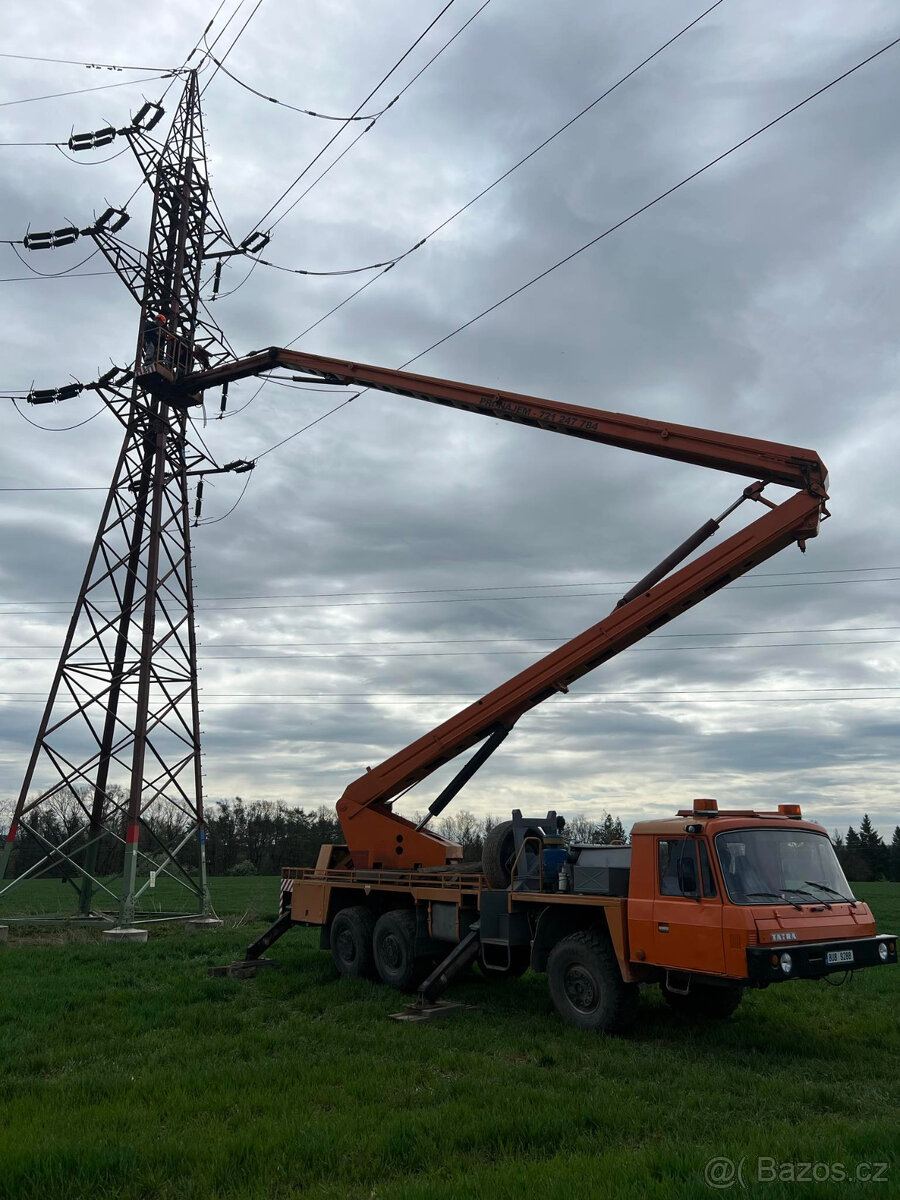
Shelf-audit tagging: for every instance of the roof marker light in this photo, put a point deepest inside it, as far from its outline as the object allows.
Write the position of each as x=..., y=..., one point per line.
x=706, y=808
x=789, y=810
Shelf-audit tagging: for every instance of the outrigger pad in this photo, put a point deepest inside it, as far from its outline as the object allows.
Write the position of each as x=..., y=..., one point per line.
x=242, y=968
x=431, y=1012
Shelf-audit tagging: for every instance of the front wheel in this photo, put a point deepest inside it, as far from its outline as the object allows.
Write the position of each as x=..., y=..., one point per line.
x=586, y=984
x=705, y=1001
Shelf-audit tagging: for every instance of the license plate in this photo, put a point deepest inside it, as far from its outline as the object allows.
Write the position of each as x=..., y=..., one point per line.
x=838, y=956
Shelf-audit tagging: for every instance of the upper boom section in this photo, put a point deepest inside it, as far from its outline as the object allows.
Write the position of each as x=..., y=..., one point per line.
x=771, y=462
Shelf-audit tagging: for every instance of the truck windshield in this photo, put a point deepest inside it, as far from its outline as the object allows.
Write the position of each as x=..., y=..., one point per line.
x=761, y=864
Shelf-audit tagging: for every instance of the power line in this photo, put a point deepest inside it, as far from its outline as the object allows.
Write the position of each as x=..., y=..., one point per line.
x=475, y=695
x=560, y=638
x=506, y=587
x=216, y=520
x=31, y=144
x=75, y=62
x=629, y=699
x=358, y=109
x=64, y=275
x=580, y=596
x=81, y=91
x=196, y=47
x=233, y=44
x=656, y=200
x=57, y=429
x=217, y=645
x=205, y=607
x=501, y=653
x=308, y=112
x=349, y=147
x=386, y=264
x=53, y=274
x=201, y=40
x=91, y=162
x=506, y=174
x=297, y=432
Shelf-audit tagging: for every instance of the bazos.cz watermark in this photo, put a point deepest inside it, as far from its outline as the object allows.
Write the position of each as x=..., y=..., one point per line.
x=722, y=1172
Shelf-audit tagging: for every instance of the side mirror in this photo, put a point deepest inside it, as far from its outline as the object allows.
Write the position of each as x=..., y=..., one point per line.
x=687, y=877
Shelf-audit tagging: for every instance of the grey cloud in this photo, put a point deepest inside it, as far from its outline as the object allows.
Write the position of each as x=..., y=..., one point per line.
x=760, y=299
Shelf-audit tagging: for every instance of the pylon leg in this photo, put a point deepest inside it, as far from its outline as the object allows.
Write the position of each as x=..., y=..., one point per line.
x=129, y=876
x=7, y=851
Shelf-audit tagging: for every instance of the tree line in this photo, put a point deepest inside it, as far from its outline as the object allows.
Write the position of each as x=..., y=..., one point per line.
x=243, y=837
x=260, y=836
x=865, y=855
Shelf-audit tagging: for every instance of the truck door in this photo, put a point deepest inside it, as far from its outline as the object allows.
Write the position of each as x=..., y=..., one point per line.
x=687, y=910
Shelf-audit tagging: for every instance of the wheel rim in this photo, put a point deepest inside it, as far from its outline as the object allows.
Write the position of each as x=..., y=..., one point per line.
x=346, y=947
x=392, y=952
x=581, y=989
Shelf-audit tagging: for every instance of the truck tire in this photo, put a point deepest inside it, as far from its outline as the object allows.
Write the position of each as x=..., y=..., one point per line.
x=498, y=854
x=394, y=944
x=705, y=1002
x=586, y=985
x=351, y=942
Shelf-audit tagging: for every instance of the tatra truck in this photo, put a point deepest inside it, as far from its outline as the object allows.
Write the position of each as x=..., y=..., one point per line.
x=704, y=904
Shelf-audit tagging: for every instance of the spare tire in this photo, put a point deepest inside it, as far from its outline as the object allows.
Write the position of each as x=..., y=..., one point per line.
x=498, y=855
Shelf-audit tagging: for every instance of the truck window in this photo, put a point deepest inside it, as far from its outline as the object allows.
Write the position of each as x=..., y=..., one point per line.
x=677, y=862
x=779, y=864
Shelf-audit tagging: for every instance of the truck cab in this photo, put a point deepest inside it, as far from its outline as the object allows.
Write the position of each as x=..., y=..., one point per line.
x=743, y=897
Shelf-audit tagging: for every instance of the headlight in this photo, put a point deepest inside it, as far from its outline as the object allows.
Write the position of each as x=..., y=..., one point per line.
x=787, y=963
x=883, y=951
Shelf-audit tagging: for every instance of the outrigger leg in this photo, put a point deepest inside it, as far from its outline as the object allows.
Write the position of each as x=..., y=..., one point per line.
x=246, y=967
x=428, y=1006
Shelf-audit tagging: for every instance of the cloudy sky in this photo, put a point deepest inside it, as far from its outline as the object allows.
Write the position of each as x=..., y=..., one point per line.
x=398, y=560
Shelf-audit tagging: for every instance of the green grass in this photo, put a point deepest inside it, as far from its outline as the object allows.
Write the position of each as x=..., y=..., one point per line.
x=126, y=1072
x=254, y=897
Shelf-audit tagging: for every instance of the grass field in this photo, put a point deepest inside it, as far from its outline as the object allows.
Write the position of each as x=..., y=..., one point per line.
x=127, y=1072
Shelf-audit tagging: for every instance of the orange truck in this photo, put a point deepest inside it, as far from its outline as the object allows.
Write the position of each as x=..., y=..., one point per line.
x=705, y=904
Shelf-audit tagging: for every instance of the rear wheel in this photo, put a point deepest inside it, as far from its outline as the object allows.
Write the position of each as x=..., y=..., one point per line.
x=586, y=984
x=351, y=942
x=704, y=1001
x=394, y=944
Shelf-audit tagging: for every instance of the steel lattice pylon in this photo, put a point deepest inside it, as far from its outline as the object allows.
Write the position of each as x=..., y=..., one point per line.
x=119, y=741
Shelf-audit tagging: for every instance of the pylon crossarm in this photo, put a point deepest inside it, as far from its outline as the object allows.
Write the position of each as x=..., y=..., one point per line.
x=127, y=261
x=147, y=152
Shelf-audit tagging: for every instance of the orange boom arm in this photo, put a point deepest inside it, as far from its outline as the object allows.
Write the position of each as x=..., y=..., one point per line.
x=378, y=837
